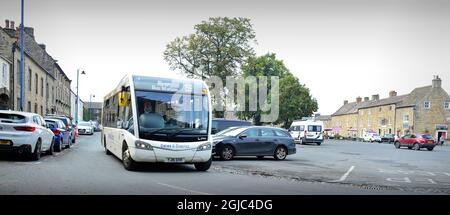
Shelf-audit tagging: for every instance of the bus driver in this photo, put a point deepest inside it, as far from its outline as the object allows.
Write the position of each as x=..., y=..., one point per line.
x=149, y=118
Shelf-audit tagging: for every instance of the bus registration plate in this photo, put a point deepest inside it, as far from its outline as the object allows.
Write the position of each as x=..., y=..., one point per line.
x=175, y=160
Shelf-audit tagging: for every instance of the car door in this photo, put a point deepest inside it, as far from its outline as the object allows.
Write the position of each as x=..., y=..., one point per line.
x=246, y=145
x=268, y=142
x=40, y=126
x=65, y=133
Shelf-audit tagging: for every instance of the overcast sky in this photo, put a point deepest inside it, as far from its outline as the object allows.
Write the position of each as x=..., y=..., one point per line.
x=338, y=49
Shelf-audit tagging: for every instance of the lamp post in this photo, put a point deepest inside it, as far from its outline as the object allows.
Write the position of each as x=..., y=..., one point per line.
x=90, y=105
x=77, y=97
x=22, y=60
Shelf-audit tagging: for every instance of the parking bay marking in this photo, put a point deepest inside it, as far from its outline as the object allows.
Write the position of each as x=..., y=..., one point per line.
x=343, y=177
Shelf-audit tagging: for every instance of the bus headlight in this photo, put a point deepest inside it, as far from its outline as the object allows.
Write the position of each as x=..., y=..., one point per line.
x=204, y=147
x=143, y=145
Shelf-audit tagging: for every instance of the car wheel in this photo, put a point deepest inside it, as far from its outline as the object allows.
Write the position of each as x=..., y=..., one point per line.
x=397, y=145
x=280, y=153
x=203, y=166
x=51, y=150
x=58, y=148
x=260, y=157
x=430, y=148
x=319, y=143
x=409, y=147
x=128, y=162
x=106, y=149
x=416, y=146
x=227, y=153
x=36, y=155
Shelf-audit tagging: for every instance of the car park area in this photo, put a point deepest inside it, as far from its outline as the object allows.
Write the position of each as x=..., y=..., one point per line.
x=335, y=167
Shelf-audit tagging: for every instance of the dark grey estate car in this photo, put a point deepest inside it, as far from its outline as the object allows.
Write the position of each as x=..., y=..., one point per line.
x=254, y=141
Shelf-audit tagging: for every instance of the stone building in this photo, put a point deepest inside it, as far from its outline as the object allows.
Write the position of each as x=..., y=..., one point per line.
x=424, y=110
x=41, y=85
x=94, y=111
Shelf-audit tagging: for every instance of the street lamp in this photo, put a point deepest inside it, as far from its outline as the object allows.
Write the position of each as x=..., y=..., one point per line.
x=77, y=97
x=90, y=105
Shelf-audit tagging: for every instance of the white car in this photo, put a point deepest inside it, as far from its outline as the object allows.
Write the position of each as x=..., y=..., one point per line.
x=85, y=128
x=371, y=137
x=25, y=133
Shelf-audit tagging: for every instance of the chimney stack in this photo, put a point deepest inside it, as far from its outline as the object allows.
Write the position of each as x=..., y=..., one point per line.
x=11, y=24
x=345, y=102
x=42, y=46
x=437, y=82
x=6, y=23
x=366, y=99
x=375, y=97
x=392, y=93
x=358, y=99
x=29, y=31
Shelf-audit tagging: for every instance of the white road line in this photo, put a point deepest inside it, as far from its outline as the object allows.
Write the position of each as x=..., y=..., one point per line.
x=184, y=189
x=345, y=175
x=35, y=163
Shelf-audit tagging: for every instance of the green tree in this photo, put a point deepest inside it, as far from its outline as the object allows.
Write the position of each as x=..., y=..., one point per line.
x=218, y=47
x=295, y=100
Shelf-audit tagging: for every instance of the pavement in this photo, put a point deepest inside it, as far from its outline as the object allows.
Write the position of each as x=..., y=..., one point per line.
x=334, y=168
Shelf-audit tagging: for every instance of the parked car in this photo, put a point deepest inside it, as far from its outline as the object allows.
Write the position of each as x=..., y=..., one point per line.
x=371, y=137
x=388, y=138
x=307, y=132
x=25, y=133
x=222, y=124
x=69, y=125
x=254, y=141
x=85, y=128
x=416, y=142
x=62, y=136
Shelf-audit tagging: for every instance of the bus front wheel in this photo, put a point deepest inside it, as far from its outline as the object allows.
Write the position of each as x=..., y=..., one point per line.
x=127, y=161
x=203, y=166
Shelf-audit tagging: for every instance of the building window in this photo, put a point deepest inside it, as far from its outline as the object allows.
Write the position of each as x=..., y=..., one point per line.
x=390, y=107
x=42, y=111
x=446, y=105
x=427, y=104
x=30, y=77
x=18, y=72
x=36, y=84
x=36, y=108
x=379, y=109
x=42, y=87
x=406, y=118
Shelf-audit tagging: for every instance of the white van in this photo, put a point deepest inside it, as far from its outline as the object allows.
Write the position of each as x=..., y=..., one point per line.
x=307, y=131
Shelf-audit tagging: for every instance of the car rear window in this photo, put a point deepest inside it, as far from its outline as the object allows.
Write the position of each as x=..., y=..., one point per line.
x=12, y=118
x=314, y=128
x=281, y=133
x=427, y=136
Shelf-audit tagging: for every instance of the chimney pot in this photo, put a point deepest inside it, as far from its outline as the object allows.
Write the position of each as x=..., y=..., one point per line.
x=345, y=102
x=366, y=99
x=392, y=93
x=43, y=47
x=358, y=99
x=437, y=82
x=6, y=23
x=375, y=97
x=11, y=24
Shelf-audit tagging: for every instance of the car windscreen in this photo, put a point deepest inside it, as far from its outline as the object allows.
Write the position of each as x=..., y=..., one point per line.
x=84, y=124
x=12, y=118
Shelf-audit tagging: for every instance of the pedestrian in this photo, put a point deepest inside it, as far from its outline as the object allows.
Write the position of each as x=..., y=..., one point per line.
x=441, y=140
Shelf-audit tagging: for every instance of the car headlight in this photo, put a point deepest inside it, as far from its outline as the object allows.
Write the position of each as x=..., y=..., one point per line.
x=143, y=145
x=204, y=147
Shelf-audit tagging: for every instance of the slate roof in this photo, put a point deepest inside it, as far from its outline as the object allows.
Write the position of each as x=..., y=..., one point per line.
x=406, y=100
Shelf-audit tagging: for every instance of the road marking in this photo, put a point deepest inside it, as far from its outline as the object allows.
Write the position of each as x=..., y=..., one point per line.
x=184, y=189
x=446, y=173
x=431, y=181
x=402, y=180
x=35, y=163
x=345, y=175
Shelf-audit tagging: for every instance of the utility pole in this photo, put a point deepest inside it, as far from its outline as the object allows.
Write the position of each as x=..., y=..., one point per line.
x=77, y=97
x=22, y=60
